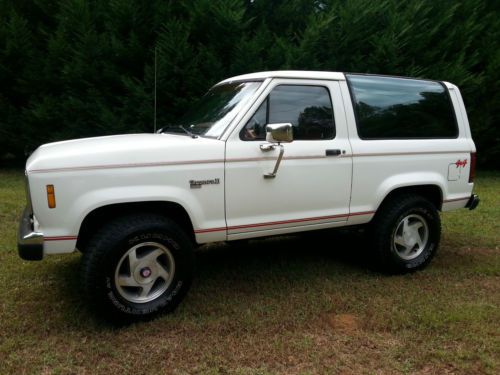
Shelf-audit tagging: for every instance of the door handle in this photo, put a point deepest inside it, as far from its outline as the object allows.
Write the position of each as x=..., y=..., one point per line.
x=335, y=152
x=265, y=147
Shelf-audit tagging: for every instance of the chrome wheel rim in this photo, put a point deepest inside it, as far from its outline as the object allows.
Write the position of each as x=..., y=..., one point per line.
x=144, y=272
x=411, y=237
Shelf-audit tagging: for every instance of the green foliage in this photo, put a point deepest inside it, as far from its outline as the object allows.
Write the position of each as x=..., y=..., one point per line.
x=76, y=68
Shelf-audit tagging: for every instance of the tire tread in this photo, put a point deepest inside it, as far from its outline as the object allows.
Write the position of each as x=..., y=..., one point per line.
x=97, y=251
x=383, y=222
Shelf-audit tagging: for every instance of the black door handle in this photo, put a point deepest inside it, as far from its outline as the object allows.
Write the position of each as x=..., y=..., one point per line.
x=333, y=152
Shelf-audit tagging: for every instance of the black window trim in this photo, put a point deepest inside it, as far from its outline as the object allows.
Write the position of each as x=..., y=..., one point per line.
x=267, y=113
x=353, y=102
x=267, y=107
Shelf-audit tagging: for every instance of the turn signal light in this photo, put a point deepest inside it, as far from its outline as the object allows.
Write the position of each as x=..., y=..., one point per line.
x=51, y=196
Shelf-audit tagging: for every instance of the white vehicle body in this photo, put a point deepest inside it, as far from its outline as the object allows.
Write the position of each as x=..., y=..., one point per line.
x=219, y=184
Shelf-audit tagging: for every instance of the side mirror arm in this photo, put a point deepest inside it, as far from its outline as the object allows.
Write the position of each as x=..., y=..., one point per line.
x=269, y=147
x=275, y=135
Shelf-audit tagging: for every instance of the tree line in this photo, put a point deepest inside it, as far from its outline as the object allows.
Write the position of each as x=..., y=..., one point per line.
x=79, y=68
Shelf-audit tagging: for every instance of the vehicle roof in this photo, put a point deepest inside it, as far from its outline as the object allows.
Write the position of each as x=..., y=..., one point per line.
x=310, y=74
x=307, y=74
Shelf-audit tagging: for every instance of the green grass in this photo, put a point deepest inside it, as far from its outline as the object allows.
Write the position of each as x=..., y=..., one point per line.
x=283, y=305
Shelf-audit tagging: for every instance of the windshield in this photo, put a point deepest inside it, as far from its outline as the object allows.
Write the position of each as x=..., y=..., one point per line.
x=211, y=114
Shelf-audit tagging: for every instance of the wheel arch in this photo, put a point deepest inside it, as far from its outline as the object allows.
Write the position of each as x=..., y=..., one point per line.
x=433, y=193
x=103, y=214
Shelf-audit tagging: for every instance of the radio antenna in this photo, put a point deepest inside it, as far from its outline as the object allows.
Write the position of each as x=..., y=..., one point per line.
x=154, y=111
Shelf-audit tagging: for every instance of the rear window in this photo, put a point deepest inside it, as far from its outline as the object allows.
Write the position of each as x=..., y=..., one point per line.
x=401, y=108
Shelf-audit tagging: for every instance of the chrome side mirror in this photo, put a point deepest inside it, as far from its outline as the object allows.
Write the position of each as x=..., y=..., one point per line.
x=279, y=133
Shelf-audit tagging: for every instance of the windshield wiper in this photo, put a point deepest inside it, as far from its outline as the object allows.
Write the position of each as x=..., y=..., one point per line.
x=191, y=134
x=166, y=128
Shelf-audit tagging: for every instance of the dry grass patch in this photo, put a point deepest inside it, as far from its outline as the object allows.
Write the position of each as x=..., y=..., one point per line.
x=288, y=305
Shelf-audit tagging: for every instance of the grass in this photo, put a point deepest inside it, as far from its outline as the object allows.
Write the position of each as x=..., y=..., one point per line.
x=278, y=306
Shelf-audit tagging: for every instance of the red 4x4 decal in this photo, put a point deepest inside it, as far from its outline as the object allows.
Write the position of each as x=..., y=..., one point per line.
x=460, y=163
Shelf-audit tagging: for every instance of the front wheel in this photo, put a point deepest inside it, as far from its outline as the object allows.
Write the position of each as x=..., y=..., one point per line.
x=137, y=267
x=406, y=233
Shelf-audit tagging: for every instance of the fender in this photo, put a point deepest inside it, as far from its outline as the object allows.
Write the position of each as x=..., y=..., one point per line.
x=395, y=182
x=79, y=193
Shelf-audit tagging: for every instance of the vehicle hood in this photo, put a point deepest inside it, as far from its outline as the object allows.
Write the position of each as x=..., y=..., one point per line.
x=121, y=151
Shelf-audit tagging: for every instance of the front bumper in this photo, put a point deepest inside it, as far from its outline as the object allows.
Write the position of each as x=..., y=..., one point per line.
x=472, y=202
x=29, y=241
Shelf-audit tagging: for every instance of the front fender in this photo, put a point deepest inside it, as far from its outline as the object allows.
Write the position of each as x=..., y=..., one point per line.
x=79, y=193
x=92, y=200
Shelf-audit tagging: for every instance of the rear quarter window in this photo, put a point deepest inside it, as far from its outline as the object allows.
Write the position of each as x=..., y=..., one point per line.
x=401, y=108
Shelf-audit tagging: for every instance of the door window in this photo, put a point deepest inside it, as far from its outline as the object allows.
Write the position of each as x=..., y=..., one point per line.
x=307, y=108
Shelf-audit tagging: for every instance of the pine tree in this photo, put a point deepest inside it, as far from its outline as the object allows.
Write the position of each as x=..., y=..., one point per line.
x=77, y=68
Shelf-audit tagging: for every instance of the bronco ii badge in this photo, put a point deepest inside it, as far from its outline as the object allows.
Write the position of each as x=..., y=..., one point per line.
x=196, y=184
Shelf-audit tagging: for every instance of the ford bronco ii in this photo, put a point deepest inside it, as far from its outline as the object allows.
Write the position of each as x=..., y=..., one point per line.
x=261, y=154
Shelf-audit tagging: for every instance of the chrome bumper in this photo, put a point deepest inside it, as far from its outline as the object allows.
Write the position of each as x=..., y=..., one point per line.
x=29, y=242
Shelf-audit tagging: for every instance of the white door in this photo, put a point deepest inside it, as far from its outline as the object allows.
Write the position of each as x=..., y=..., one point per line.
x=312, y=186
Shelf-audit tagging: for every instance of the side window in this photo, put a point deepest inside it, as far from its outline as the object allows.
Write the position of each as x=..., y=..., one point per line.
x=307, y=108
x=401, y=108
x=255, y=129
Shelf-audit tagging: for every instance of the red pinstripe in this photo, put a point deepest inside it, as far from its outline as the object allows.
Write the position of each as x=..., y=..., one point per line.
x=61, y=238
x=235, y=160
x=256, y=225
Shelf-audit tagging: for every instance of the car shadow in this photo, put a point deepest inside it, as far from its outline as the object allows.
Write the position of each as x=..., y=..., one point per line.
x=238, y=265
x=346, y=248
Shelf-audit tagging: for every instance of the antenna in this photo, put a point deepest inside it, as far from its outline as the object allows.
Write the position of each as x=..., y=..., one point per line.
x=154, y=111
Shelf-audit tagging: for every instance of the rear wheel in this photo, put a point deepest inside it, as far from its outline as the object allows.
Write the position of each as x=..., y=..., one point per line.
x=137, y=267
x=406, y=233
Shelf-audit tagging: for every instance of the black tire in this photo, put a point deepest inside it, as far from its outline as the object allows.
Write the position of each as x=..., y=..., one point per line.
x=387, y=221
x=107, y=249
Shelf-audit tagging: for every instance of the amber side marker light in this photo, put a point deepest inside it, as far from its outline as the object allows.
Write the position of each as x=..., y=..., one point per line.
x=51, y=196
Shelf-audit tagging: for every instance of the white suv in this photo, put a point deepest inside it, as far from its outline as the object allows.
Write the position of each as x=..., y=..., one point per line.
x=261, y=154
